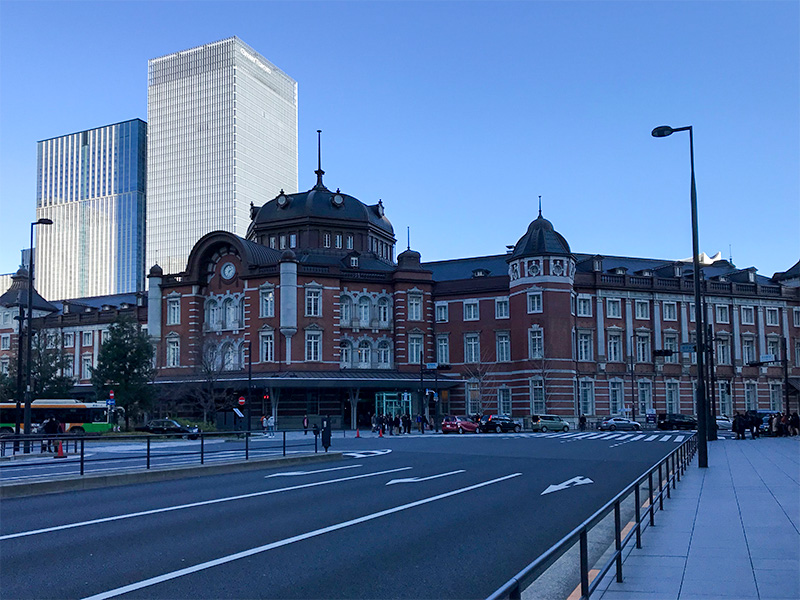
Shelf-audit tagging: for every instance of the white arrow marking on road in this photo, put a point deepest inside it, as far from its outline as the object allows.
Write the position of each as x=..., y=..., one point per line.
x=295, y=473
x=416, y=479
x=579, y=480
x=366, y=453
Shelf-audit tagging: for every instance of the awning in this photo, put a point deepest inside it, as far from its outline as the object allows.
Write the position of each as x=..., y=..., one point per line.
x=340, y=379
x=794, y=385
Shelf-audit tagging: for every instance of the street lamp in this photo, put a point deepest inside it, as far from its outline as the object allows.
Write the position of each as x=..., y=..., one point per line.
x=702, y=425
x=29, y=337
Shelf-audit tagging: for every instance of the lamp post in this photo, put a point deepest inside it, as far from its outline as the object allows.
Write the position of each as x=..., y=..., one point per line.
x=29, y=337
x=633, y=377
x=702, y=425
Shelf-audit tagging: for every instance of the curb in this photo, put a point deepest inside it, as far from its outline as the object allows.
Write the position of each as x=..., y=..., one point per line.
x=91, y=482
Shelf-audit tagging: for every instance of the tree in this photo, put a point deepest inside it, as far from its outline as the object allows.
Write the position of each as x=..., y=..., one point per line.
x=483, y=376
x=49, y=367
x=125, y=364
x=208, y=397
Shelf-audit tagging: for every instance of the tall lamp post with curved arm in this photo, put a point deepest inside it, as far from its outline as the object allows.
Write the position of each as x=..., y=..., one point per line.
x=702, y=425
x=29, y=337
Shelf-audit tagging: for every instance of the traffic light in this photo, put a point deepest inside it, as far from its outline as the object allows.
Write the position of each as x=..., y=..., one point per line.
x=665, y=352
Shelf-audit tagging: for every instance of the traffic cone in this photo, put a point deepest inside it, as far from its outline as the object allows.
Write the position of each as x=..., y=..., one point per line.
x=60, y=451
x=357, y=434
x=380, y=431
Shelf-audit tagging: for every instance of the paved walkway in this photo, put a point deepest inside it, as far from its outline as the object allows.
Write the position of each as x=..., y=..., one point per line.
x=731, y=531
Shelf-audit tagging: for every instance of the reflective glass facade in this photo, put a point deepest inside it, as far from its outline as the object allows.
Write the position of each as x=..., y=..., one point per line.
x=222, y=134
x=92, y=185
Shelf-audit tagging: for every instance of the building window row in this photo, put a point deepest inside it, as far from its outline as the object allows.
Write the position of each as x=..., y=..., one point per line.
x=227, y=313
x=365, y=355
x=360, y=313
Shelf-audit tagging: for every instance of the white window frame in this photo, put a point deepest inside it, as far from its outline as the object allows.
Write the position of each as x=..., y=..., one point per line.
x=415, y=307
x=673, y=396
x=69, y=339
x=643, y=350
x=443, y=349
x=748, y=349
x=535, y=302
x=725, y=396
x=585, y=346
x=384, y=354
x=86, y=366
x=642, y=310
x=584, y=306
x=364, y=311
x=266, y=345
x=472, y=348
x=5, y=341
x=364, y=354
x=503, y=345
x=723, y=351
x=613, y=308
x=173, y=351
x=748, y=315
x=586, y=398
x=87, y=339
x=615, y=353
x=670, y=311
x=313, y=302
x=535, y=343
x=415, y=349
x=671, y=343
x=313, y=346
x=616, y=397
x=266, y=302
x=173, y=311
x=501, y=308
x=346, y=354
x=750, y=395
x=471, y=310
x=796, y=317
x=383, y=311
x=722, y=313
x=644, y=395
x=771, y=317
x=441, y=312
x=504, y=401
x=775, y=396
x=538, y=400
x=774, y=347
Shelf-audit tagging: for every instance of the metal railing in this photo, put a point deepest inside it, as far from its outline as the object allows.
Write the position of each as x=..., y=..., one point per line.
x=72, y=449
x=668, y=472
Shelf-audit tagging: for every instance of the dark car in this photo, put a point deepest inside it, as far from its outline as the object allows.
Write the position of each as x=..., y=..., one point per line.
x=621, y=423
x=458, y=425
x=498, y=424
x=676, y=421
x=170, y=426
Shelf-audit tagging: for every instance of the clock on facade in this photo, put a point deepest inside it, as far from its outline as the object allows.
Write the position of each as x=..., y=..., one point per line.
x=228, y=270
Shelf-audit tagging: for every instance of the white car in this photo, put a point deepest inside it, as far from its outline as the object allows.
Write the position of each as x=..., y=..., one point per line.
x=614, y=423
x=724, y=423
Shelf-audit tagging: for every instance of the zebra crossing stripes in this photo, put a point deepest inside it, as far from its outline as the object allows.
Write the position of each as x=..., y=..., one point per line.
x=616, y=437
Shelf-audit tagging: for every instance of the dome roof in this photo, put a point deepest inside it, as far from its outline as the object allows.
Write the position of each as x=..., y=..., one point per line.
x=540, y=239
x=320, y=203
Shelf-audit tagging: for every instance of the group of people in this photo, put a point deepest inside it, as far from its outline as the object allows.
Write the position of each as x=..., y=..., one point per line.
x=778, y=424
x=398, y=424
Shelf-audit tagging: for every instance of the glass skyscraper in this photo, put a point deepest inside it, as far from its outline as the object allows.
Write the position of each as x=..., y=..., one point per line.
x=222, y=134
x=92, y=185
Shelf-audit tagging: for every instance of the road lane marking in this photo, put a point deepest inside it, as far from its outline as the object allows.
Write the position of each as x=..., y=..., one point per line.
x=285, y=542
x=638, y=437
x=651, y=438
x=366, y=453
x=666, y=438
x=295, y=473
x=679, y=438
x=579, y=480
x=417, y=479
x=193, y=505
x=626, y=436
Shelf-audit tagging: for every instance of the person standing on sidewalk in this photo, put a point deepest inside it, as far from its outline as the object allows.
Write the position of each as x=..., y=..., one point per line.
x=271, y=426
x=305, y=425
x=582, y=422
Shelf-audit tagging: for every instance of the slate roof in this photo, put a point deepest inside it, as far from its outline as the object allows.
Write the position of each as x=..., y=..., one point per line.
x=17, y=294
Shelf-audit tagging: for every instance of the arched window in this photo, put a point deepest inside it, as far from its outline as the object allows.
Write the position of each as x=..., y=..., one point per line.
x=384, y=354
x=345, y=354
x=241, y=357
x=229, y=314
x=228, y=358
x=212, y=314
x=364, y=353
x=383, y=311
x=346, y=310
x=364, y=306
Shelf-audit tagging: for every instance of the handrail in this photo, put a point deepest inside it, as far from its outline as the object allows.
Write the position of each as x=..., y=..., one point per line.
x=78, y=443
x=685, y=452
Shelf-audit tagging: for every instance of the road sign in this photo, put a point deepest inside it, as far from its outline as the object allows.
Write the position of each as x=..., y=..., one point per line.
x=687, y=347
x=767, y=358
x=431, y=366
x=241, y=400
x=111, y=394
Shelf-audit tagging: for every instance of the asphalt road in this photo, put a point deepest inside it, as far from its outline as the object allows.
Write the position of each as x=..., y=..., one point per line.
x=399, y=517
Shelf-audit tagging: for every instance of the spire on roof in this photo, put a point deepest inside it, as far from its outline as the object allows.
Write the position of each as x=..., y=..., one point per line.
x=540, y=205
x=319, y=172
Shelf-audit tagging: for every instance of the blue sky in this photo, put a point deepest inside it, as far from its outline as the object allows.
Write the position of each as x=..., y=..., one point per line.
x=458, y=115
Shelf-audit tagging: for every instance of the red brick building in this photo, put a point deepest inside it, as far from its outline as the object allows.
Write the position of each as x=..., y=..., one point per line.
x=313, y=314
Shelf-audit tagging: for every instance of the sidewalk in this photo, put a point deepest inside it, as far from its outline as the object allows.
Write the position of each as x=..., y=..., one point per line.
x=731, y=531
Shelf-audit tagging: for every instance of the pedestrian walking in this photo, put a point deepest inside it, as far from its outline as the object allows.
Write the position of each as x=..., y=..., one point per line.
x=51, y=427
x=582, y=422
x=264, y=425
x=794, y=424
x=739, y=426
x=305, y=425
x=271, y=426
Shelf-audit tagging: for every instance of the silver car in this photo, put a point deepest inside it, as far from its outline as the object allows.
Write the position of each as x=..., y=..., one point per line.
x=621, y=423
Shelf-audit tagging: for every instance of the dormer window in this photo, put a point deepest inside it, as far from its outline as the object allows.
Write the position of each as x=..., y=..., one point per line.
x=751, y=277
x=597, y=264
x=480, y=272
x=354, y=262
x=619, y=270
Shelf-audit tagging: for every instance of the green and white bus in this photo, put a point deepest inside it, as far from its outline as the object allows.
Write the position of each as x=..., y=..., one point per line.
x=75, y=416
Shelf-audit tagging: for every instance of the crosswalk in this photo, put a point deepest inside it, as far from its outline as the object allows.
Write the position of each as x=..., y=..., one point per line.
x=635, y=436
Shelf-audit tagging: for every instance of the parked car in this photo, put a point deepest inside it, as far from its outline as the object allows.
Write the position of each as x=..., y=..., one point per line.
x=548, y=423
x=724, y=423
x=676, y=421
x=453, y=424
x=170, y=426
x=498, y=424
x=621, y=423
